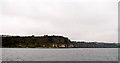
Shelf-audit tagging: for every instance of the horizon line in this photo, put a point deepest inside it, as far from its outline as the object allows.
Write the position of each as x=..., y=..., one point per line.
x=58, y=35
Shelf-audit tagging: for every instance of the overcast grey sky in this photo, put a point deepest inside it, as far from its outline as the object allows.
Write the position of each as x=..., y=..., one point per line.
x=89, y=20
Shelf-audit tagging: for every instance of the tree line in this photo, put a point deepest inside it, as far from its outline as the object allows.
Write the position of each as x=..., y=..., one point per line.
x=50, y=42
x=35, y=41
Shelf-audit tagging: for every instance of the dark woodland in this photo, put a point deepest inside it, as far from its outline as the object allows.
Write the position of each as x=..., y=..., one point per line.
x=50, y=42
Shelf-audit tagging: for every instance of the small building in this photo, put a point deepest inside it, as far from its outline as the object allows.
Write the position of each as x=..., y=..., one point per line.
x=54, y=45
x=44, y=45
x=71, y=45
x=62, y=46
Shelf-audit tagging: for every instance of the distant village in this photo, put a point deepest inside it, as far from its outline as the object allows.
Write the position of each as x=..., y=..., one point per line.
x=50, y=42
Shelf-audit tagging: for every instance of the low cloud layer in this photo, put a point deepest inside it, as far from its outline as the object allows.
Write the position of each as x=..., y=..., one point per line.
x=89, y=20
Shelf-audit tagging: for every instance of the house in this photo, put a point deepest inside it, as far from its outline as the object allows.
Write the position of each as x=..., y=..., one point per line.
x=62, y=46
x=71, y=45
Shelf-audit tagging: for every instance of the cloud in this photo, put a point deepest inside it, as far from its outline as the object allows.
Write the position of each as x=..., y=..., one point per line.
x=77, y=19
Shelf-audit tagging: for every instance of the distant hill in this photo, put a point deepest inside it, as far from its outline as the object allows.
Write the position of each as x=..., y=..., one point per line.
x=94, y=45
x=49, y=42
x=35, y=41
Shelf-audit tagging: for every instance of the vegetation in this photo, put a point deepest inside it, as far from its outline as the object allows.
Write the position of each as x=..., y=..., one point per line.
x=49, y=42
x=35, y=42
x=94, y=45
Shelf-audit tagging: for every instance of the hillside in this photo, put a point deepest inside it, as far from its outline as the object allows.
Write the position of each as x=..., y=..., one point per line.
x=49, y=42
x=35, y=41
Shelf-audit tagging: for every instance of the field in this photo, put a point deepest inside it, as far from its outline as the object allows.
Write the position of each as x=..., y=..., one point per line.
x=65, y=54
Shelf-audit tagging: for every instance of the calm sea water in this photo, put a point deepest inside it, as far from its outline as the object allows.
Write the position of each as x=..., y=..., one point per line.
x=66, y=54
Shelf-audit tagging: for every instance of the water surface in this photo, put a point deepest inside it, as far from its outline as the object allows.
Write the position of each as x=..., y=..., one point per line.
x=65, y=54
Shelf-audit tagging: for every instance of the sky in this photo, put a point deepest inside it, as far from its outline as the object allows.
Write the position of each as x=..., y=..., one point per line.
x=80, y=20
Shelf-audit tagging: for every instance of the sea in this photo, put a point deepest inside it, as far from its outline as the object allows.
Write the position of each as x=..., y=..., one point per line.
x=59, y=54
